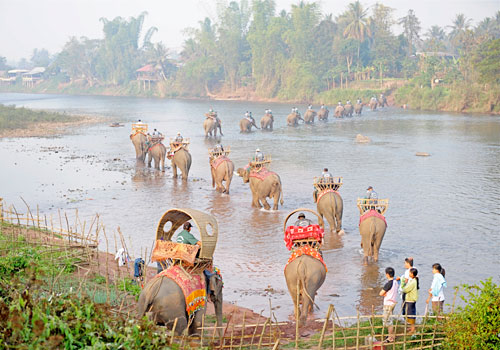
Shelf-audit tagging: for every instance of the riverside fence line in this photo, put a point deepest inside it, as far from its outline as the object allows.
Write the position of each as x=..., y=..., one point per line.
x=77, y=239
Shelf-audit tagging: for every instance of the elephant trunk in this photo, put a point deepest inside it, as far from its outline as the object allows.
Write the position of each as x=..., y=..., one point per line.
x=218, y=314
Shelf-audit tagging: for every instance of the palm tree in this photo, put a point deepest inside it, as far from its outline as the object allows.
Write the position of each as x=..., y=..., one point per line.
x=411, y=26
x=435, y=37
x=459, y=27
x=358, y=24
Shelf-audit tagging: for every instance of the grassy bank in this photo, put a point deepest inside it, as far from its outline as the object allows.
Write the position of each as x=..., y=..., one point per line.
x=473, y=98
x=22, y=118
x=44, y=304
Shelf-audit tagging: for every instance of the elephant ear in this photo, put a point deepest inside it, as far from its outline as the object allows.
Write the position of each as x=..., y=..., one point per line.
x=214, y=285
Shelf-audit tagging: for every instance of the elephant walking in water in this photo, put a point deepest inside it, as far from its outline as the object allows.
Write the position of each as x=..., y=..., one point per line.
x=139, y=141
x=309, y=274
x=266, y=122
x=246, y=125
x=309, y=116
x=373, y=104
x=293, y=119
x=222, y=172
x=158, y=152
x=372, y=231
x=182, y=160
x=330, y=205
x=348, y=110
x=339, y=111
x=163, y=301
x=261, y=189
x=210, y=125
x=323, y=114
x=358, y=108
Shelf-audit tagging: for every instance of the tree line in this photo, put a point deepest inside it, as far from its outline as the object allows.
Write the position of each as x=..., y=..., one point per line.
x=290, y=55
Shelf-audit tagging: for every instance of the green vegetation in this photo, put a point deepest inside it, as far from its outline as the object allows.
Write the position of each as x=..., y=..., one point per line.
x=298, y=55
x=37, y=311
x=21, y=118
x=477, y=324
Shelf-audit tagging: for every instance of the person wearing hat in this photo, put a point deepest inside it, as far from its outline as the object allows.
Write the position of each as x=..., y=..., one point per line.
x=179, y=138
x=186, y=237
x=302, y=221
x=372, y=197
x=259, y=156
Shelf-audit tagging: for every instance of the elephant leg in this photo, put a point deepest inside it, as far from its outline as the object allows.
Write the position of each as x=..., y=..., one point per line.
x=339, y=223
x=184, y=174
x=149, y=161
x=255, y=201
x=157, y=163
x=228, y=183
x=276, y=198
x=163, y=163
x=174, y=170
x=263, y=200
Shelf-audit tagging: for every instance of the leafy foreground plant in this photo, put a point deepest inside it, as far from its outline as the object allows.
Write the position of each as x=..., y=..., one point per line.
x=477, y=324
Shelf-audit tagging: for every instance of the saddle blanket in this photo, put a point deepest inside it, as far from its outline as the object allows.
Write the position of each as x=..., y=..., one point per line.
x=371, y=213
x=218, y=161
x=154, y=145
x=137, y=132
x=261, y=174
x=193, y=287
x=294, y=233
x=306, y=250
x=322, y=193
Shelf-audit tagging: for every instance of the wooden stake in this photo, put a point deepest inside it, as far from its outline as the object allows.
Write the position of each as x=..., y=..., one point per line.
x=322, y=336
x=357, y=329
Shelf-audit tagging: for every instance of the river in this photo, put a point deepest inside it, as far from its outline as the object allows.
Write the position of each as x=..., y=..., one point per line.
x=444, y=208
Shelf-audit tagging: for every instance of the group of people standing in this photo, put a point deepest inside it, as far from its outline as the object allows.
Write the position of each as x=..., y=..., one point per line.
x=408, y=285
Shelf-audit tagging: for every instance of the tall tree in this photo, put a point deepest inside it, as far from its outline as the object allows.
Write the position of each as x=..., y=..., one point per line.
x=358, y=24
x=40, y=58
x=435, y=38
x=411, y=30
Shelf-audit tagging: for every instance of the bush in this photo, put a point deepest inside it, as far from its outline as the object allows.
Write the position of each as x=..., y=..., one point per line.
x=477, y=324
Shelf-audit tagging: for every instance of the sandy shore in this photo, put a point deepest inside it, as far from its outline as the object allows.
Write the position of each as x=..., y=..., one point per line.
x=47, y=129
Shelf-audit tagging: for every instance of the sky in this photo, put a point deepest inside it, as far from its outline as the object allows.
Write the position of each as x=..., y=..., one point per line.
x=29, y=24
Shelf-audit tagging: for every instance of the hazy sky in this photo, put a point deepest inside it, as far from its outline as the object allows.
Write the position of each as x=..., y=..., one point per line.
x=29, y=24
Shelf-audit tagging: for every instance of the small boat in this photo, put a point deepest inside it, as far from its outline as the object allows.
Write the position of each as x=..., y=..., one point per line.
x=114, y=125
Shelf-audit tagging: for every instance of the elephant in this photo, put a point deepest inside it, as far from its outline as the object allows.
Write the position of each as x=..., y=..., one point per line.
x=339, y=111
x=266, y=122
x=157, y=152
x=211, y=125
x=181, y=159
x=293, y=119
x=139, y=141
x=309, y=116
x=162, y=300
x=373, y=104
x=331, y=206
x=382, y=101
x=246, y=125
x=372, y=231
x=348, y=110
x=261, y=189
x=323, y=114
x=309, y=273
x=224, y=172
x=358, y=108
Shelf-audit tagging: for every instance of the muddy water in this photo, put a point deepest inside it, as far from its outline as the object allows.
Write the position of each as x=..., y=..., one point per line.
x=443, y=208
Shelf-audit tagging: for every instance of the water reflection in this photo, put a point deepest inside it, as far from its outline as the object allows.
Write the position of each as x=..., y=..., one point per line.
x=369, y=298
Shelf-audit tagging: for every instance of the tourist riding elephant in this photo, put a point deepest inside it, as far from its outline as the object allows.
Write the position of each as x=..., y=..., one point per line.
x=309, y=116
x=262, y=189
x=358, y=108
x=348, y=110
x=158, y=152
x=182, y=160
x=339, y=111
x=139, y=141
x=309, y=273
x=211, y=125
x=163, y=301
x=373, y=104
x=266, y=122
x=382, y=101
x=223, y=172
x=246, y=125
x=323, y=114
x=372, y=231
x=330, y=206
x=293, y=119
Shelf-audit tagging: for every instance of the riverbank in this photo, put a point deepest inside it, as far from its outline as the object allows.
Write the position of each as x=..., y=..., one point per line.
x=24, y=122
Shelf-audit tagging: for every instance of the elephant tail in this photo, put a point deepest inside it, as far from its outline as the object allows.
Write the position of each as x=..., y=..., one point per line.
x=373, y=232
x=281, y=193
x=301, y=274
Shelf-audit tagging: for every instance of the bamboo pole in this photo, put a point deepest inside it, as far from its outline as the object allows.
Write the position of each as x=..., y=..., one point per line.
x=323, y=330
x=297, y=294
x=357, y=330
x=262, y=333
x=243, y=330
x=173, y=331
x=333, y=331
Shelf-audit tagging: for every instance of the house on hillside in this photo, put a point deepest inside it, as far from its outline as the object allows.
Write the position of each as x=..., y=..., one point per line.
x=147, y=74
x=33, y=77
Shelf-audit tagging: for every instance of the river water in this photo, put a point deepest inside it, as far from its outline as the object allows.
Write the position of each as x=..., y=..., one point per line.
x=444, y=208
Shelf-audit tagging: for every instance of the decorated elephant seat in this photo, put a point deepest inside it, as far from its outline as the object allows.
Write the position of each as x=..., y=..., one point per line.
x=327, y=183
x=378, y=205
x=139, y=128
